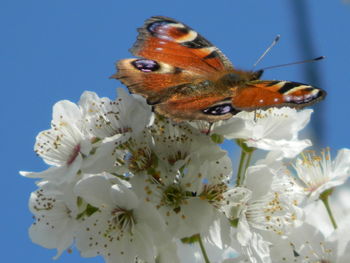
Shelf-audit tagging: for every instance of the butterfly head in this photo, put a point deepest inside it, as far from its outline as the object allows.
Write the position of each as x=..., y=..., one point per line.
x=257, y=74
x=239, y=77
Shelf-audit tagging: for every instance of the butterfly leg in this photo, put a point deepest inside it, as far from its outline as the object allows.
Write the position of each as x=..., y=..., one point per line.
x=255, y=115
x=209, y=128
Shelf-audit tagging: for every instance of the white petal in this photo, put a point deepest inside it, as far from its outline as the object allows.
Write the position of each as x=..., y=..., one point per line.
x=57, y=174
x=284, y=148
x=342, y=164
x=244, y=234
x=60, y=237
x=55, y=224
x=167, y=253
x=260, y=248
x=102, y=159
x=316, y=215
x=143, y=243
x=95, y=190
x=220, y=232
x=48, y=173
x=231, y=129
x=150, y=216
x=124, y=197
x=85, y=101
x=258, y=180
x=85, y=146
x=65, y=110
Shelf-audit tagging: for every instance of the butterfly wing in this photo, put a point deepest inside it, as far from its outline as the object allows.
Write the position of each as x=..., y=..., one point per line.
x=205, y=107
x=175, y=61
x=151, y=79
x=167, y=40
x=254, y=95
x=178, y=94
x=263, y=94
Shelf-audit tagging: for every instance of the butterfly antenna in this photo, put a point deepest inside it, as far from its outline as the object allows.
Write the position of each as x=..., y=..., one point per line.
x=274, y=42
x=294, y=63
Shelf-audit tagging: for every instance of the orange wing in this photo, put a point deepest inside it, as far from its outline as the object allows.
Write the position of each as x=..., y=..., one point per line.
x=206, y=107
x=167, y=40
x=248, y=96
x=152, y=79
x=263, y=94
x=172, y=55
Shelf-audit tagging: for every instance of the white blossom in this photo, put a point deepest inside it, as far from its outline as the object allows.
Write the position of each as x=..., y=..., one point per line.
x=319, y=173
x=132, y=186
x=264, y=203
x=311, y=245
x=272, y=130
x=126, y=115
x=64, y=145
x=123, y=228
x=55, y=211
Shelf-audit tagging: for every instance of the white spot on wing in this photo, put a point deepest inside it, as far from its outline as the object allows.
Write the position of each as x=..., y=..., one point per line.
x=176, y=25
x=297, y=88
x=165, y=68
x=209, y=49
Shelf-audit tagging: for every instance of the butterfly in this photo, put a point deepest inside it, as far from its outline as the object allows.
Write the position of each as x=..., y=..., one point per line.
x=185, y=77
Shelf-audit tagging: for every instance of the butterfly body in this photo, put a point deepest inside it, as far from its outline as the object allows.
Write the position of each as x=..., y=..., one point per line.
x=185, y=77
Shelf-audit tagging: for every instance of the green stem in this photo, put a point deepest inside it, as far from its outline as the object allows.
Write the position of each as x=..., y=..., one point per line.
x=324, y=198
x=239, y=179
x=250, y=154
x=204, y=252
x=246, y=156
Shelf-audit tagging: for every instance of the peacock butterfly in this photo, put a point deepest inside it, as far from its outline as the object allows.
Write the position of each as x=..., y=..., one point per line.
x=185, y=77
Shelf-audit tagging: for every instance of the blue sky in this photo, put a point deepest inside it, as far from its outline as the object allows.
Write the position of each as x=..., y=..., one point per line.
x=54, y=50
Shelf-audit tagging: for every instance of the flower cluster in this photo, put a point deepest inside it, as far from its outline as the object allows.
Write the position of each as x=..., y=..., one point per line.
x=132, y=186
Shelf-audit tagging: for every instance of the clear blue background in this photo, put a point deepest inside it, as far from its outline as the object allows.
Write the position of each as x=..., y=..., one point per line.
x=52, y=50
